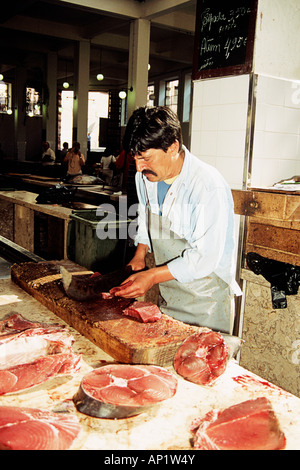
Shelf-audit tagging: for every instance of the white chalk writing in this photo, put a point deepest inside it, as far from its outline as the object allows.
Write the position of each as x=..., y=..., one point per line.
x=234, y=43
x=208, y=46
x=224, y=34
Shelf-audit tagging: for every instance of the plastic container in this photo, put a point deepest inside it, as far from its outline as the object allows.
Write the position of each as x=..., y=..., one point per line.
x=86, y=248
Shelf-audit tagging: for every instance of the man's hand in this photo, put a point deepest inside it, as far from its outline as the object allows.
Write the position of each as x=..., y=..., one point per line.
x=135, y=285
x=139, y=283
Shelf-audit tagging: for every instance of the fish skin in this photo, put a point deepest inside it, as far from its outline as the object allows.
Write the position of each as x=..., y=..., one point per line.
x=90, y=288
x=129, y=385
x=234, y=344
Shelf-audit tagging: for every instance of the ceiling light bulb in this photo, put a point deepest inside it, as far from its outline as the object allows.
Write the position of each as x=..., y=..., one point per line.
x=122, y=95
x=1, y=77
x=66, y=85
x=100, y=77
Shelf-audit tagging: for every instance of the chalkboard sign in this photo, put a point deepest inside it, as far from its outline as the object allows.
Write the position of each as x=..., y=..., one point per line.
x=224, y=37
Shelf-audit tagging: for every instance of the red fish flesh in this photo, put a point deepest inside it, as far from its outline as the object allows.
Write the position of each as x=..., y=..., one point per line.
x=34, y=429
x=202, y=357
x=250, y=425
x=122, y=390
x=27, y=345
x=16, y=323
x=32, y=352
x=143, y=311
x=106, y=295
x=24, y=376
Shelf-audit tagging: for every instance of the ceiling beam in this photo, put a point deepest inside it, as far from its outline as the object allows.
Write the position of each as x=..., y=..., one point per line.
x=132, y=9
x=156, y=8
x=124, y=8
x=43, y=27
x=176, y=20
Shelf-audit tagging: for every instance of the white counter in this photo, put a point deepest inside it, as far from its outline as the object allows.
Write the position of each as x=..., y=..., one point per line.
x=163, y=428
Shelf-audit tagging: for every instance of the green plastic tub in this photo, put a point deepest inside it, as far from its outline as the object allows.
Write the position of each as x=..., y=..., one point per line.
x=86, y=248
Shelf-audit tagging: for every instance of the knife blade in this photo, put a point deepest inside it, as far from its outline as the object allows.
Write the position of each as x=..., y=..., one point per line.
x=84, y=288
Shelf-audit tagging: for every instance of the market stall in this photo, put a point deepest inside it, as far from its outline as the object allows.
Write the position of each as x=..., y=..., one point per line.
x=166, y=426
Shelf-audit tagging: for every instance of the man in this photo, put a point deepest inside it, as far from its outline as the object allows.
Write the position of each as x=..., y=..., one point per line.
x=186, y=217
x=48, y=155
x=75, y=160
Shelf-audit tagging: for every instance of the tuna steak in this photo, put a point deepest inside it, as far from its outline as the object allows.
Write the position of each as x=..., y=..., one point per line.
x=34, y=429
x=24, y=376
x=202, y=357
x=122, y=390
x=250, y=425
x=143, y=311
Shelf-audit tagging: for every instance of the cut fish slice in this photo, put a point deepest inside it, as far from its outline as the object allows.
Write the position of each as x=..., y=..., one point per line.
x=24, y=376
x=144, y=311
x=202, y=357
x=250, y=425
x=35, y=429
x=121, y=390
x=28, y=345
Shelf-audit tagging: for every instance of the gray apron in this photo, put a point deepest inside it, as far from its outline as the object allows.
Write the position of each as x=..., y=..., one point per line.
x=203, y=302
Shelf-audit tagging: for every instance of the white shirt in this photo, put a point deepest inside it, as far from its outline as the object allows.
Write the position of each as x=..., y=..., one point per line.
x=199, y=206
x=50, y=157
x=106, y=161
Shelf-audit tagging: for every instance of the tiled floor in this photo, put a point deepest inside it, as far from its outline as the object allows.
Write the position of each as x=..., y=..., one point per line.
x=4, y=269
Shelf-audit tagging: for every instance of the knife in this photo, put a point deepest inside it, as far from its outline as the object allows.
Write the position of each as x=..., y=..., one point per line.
x=89, y=288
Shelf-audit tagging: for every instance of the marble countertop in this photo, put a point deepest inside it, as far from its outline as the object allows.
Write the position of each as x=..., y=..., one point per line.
x=165, y=427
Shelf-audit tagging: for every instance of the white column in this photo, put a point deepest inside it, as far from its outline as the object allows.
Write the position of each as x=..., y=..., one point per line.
x=52, y=107
x=81, y=95
x=20, y=113
x=139, y=46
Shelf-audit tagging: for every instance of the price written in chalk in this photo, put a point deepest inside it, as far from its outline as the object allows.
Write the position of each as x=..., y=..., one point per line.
x=234, y=43
x=223, y=21
x=225, y=35
x=231, y=43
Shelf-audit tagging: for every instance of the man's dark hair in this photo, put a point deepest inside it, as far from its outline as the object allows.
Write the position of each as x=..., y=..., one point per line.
x=157, y=128
x=76, y=147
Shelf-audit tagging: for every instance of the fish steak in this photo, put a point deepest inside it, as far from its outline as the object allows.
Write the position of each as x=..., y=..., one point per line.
x=122, y=390
x=250, y=425
x=35, y=429
x=145, y=312
x=202, y=357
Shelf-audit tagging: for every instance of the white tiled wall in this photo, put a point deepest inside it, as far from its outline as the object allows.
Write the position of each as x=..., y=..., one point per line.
x=219, y=120
x=219, y=125
x=276, y=147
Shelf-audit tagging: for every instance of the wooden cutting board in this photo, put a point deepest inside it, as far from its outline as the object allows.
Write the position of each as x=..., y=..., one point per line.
x=125, y=339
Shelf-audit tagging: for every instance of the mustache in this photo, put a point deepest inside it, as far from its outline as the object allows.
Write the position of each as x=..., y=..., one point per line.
x=149, y=172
